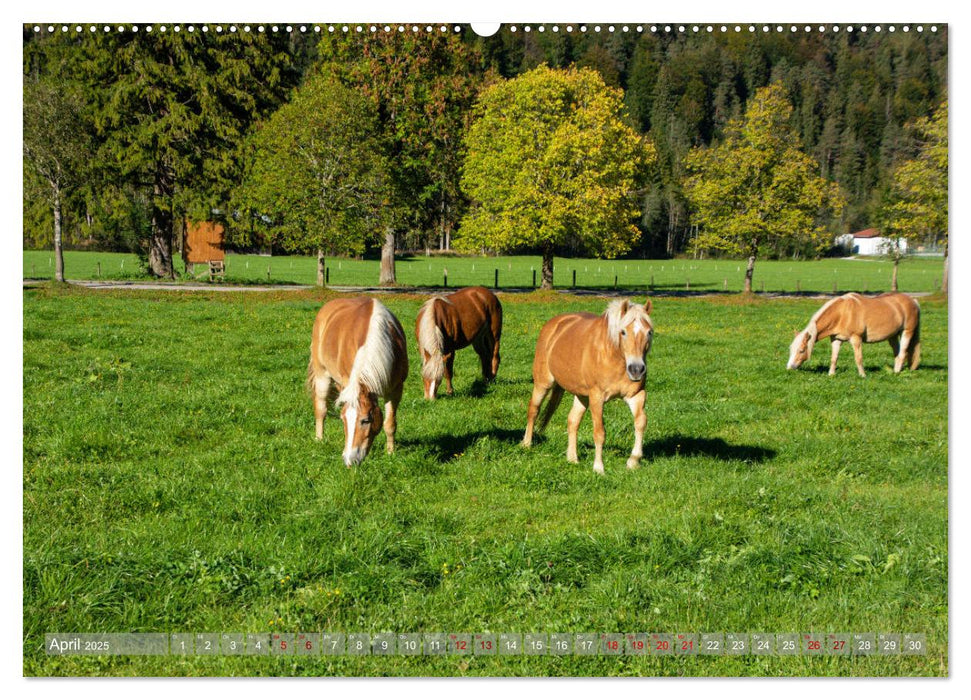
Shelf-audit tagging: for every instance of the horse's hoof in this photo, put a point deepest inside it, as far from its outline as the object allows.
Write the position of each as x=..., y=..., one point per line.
x=527, y=443
x=572, y=459
x=598, y=469
x=633, y=463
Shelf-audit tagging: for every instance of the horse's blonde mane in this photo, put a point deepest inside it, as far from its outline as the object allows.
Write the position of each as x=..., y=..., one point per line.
x=431, y=340
x=374, y=361
x=617, y=319
x=811, y=329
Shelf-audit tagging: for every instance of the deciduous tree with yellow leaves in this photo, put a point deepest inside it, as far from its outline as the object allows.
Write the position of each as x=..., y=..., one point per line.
x=757, y=185
x=551, y=160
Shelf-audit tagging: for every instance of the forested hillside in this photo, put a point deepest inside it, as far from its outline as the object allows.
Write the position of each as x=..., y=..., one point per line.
x=172, y=117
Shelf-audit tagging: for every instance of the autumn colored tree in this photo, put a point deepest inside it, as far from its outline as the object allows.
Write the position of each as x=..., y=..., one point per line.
x=757, y=186
x=315, y=172
x=57, y=146
x=552, y=160
x=918, y=206
x=422, y=86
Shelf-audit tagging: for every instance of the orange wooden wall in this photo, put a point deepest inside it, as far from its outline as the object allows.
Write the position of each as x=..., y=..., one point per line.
x=204, y=242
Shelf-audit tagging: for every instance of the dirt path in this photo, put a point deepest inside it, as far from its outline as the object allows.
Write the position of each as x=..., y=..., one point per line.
x=198, y=287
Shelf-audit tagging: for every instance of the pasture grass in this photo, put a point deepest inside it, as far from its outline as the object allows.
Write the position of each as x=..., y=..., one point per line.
x=715, y=276
x=171, y=483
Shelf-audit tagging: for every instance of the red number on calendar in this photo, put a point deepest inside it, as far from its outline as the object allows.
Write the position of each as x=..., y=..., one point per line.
x=814, y=645
x=637, y=644
x=662, y=645
x=460, y=645
x=838, y=644
x=485, y=644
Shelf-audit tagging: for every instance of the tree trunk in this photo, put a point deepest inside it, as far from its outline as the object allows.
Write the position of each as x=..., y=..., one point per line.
x=320, y=267
x=547, y=266
x=893, y=278
x=387, y=259
x=750, y=268
x=58, y=249
x=160, y=245
x=944, y=278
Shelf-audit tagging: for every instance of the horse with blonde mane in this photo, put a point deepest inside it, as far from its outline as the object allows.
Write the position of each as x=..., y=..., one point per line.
x=595, y=358
x=892, y=317
x=358, y=352
x=446, y=324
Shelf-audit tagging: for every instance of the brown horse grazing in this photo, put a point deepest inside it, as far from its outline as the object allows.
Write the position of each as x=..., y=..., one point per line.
x=859, y=319
x=595, y=358
x=358, y=349
x=470, y=316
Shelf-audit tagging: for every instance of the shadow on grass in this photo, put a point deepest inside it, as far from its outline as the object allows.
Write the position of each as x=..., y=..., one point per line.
x=871, y=369
x=446, y=447
x=686, y=446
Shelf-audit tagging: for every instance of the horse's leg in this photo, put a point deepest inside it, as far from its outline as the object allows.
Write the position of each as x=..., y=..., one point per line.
x=448, y=360
x=496, y=336
x=636, y=403
x=483, y=348
x=901, y=354
x=536, y=400
x=391, y=416
x=837, y=344
x=321, y=387
x=857, y=343
x=597, y=414
x=572, y=426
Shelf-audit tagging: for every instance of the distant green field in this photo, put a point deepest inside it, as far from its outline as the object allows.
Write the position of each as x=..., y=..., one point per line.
x=824, y=276
x=171, y=483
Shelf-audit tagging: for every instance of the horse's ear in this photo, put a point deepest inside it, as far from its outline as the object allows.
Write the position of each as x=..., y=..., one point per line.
x=648, y=306
x=624, y=305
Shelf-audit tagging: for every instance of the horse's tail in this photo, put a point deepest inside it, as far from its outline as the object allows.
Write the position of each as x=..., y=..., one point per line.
x=914, y=348
x=556, y=394
x=430, y=342
x=311, y=376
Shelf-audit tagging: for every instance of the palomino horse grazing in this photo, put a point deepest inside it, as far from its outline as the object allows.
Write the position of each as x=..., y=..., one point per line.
x=470, y=316
x=859, y=319
x=359, y=349
x=595, y=358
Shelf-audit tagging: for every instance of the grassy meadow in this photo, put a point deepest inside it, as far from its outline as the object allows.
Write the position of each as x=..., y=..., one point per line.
x=171, y=483
x=824, y=276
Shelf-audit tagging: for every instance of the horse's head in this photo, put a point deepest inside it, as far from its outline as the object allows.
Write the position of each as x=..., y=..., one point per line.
x=362, y=421
x=629, y=327
x=800, y=349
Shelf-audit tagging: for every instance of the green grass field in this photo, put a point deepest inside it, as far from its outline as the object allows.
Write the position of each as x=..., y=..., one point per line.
x=171, y=483
x=825, y=276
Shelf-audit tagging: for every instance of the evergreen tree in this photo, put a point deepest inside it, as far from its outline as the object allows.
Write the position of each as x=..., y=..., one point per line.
x=171, y=109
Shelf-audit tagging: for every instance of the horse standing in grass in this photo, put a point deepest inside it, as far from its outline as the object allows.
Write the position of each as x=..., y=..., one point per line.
x=359, y=350
x=470, y=316
x=595, y=358
x=893, y=317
